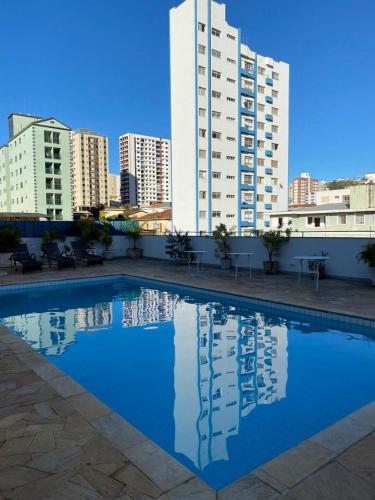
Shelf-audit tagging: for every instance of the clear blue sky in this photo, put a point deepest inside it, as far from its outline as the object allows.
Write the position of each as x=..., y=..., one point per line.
x=105, y=66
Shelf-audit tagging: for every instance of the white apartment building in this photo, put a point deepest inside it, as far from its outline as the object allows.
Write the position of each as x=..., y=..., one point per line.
x=35, y=167
x=90, y=169
x=230, y=124
x=114, y=187
x=145, y=170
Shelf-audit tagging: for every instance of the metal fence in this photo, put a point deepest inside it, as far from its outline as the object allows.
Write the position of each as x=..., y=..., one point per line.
x=35, y=229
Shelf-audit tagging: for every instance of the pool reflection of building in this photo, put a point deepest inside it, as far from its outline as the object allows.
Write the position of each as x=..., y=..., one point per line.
x=151, y=306
x=52, y=332
x=230, y=367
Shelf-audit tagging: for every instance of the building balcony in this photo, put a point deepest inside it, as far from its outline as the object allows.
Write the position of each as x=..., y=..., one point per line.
x=269, y=118
x=247, y=223
x=248, y=74
x=268, y=170
x=269, y=82
x=268, y=153
x=246, y=187
x=247, y=92
x=269, y=99
x=268, y=189
x=245, y=149
x=268, y=206
x=247, y=111
x=247, y=168
x=245, y=204
x=267, y=223
x=247, y=131
x=268, y=135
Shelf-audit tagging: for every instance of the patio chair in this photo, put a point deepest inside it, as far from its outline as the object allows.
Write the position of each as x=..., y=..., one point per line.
x=27, y=260
x=55, y=256
x=84, y=254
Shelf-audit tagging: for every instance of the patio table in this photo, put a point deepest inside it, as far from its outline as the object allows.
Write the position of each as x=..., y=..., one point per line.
x=315, y=260
x=198, y=254
x=237, y=256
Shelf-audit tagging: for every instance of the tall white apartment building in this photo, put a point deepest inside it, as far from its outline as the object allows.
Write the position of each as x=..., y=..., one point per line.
x=145, y=169
x=90, y=169
x=230, y=124
x=35, y=167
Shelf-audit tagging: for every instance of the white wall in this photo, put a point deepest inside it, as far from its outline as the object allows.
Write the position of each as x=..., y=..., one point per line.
x=342, y=251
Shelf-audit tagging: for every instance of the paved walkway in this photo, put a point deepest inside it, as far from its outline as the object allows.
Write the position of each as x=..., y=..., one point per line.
x=59, y=442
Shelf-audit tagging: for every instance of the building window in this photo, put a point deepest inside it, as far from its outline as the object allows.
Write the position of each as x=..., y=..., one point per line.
x=231, y=139
x=202, y=153
x=216, y=175
x=248, y=215
x=56, y=153
x=202, y=91
x=216, y=53
x=274, y=128
x=48, y=152
x=359, y=218
x=216, y=154
x=202, y=195
x=261, y=70
x=230, y=196
x=260, y=162
x=202, y=132
x=231, y=99
x=56, y=137
x=216, y=114
x=202, y=112
x=216, y=32
x=231, y=80
x=216, y=135
x=232, y=61
x=260, y=89
x=201, y=27
x=48, y=168
x=216, y=196
x=275, y=93
x=216, y=213
x=274, y=163
x=231, y=37
x=230, y=177
x=260, y=107
x=216, y=74
x=202, y=214
x=275, y=111
x=275, y=75
x=231, y=158
x=260, y=126
x=248, y=179
x=49, y=198
x=231, y=119
x=201, y=49
x=202, y=174
x=201, y=70
x=216, y=95
x=47, y=136
x=341, y=219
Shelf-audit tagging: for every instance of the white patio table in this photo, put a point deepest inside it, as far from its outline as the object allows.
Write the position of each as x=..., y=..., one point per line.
x=315, y=260
x=198, y=258
x=237, y=256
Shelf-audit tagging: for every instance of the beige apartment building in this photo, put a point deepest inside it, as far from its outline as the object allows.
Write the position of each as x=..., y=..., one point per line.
x=90, y=169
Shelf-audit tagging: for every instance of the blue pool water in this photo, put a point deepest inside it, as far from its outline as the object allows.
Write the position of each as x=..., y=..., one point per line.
x=219, y=383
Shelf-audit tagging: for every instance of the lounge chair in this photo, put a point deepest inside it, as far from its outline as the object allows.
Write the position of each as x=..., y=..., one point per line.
x=55, y=256
x=84, y=254
x=27, y=260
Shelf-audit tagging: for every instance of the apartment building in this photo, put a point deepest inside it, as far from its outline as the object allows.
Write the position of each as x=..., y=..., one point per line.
x=230, y=124
x=35, y=167
x=114, y=187
x=303, y=190
x=90, y=169
x=145, y=170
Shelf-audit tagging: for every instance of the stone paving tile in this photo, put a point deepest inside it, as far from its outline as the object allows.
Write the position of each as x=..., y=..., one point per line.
x=297, y=463
x=41, y=488
x=66, y=386
x=341, y=435
x=98, y=450
x=135, y=478
x=248, y=488
x=270, y=480
x=333, y=482
x=104, y=485
x=121, y=434
x=160, y=467
x=18, y=475
x=16, y=446
x=89, y=406
x=360, y=458
x=58, y=460
x=194, y=489
x=365, y=415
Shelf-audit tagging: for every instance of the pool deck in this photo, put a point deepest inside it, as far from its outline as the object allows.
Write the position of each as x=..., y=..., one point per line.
x=59, y=442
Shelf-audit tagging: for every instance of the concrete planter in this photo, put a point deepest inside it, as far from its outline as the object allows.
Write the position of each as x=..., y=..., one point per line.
x=107, y=255
x=225, y=263
x=270, y=267
x=4, y=259
x=134, y=253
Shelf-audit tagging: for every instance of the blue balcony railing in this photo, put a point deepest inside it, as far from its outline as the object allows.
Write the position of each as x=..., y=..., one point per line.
x=269, y=81
x=269, y=99
x=247, y=223
x=268, y=189
x=269, y=118
x=246, y=130
x=247, y=168
x=268, y=170
x=267, y=223
x=246, y=187
x=268, y=135
x=247, y=111
x=268, y=153
x=245, y=149
x=247, y=92
x=249, y=74
x=268, y=206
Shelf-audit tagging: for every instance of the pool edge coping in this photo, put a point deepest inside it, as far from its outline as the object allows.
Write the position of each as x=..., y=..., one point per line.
x=266, y=476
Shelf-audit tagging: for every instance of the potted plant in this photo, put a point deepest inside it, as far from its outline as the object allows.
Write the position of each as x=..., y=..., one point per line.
x=134, y=233
x=88, y=230
x=367, y=255
x=9, y=238
x=107, y=240
x=51, y=236
x=273, y=241
x=221, y=237
x=176, y=245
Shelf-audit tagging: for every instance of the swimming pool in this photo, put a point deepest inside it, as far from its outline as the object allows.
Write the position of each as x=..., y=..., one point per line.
x=221, y=383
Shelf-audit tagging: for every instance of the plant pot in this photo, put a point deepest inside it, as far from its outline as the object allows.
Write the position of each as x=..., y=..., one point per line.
x=4, y=259
x=134, y=253
x=107, y=255
x=270, y=267
x=225, y=263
